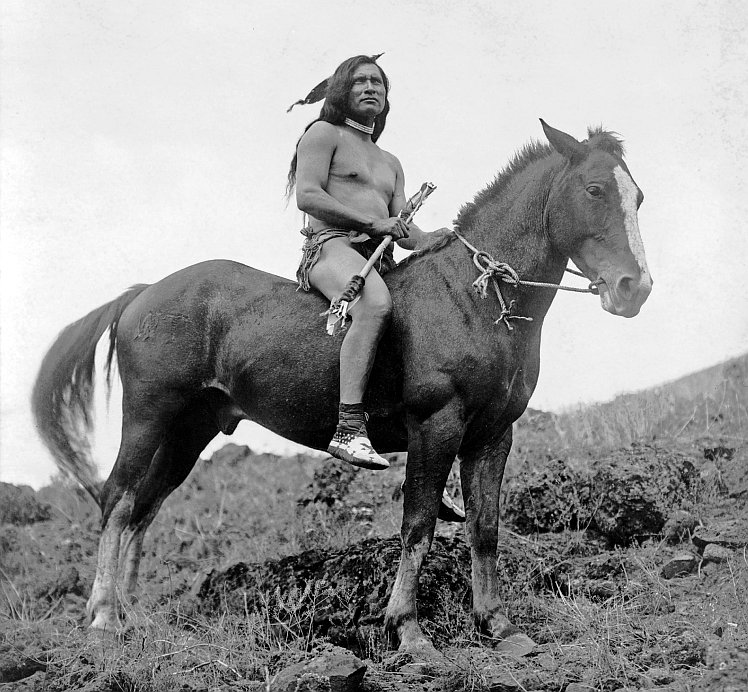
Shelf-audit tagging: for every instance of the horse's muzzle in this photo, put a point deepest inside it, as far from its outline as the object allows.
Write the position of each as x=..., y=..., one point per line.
x=625, y=295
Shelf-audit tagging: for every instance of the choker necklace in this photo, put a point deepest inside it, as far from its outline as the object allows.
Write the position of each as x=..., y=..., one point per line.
x=358, y=126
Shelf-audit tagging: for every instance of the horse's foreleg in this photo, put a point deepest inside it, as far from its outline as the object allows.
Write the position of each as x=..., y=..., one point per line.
x=481, y=474
x=432, y=447
x=401, y=621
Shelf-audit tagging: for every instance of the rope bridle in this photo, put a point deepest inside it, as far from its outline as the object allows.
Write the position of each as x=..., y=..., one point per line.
x=493, y=271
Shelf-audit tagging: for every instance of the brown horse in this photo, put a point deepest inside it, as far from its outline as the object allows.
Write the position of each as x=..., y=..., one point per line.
x=219, y=341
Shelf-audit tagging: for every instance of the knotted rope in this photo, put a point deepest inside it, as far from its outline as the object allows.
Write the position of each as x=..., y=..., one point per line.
x=492, y=272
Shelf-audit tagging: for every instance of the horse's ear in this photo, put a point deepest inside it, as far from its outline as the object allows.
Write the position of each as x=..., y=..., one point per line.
x=564, y=144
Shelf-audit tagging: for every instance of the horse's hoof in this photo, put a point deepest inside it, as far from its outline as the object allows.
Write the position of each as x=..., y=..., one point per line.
x=419, y=649
x=517, y=644
x=102, y=627
x=414, y=644
x=103, y=618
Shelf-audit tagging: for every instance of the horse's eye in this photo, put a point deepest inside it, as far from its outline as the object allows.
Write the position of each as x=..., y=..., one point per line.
x=595, y=190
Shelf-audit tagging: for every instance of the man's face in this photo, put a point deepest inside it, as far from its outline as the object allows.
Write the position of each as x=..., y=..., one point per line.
x=368, y=94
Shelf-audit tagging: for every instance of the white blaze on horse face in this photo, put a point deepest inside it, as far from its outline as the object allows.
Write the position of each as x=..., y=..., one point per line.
x=629, y=194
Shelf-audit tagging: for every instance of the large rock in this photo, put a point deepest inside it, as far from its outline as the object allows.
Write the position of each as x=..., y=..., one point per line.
x=20, y=658
x=679, y=565
x=331, y=669
x=19, y=506
x=624, y=496
x=342, y=593
x=728, y=534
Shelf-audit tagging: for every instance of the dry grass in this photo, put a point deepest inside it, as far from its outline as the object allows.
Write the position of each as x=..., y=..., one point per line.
x=649, y=632
x=712, y=401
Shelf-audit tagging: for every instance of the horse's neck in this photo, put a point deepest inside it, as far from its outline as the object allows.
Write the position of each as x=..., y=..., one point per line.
x=512, y=230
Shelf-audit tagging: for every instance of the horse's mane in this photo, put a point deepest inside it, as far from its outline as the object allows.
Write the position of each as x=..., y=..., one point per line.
x=597, y=138
x=433, y=246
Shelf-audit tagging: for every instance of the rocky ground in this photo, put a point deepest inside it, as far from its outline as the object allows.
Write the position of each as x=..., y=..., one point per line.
x=628, y=567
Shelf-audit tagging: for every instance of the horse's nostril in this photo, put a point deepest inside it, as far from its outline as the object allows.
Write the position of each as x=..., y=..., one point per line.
x=627, y=287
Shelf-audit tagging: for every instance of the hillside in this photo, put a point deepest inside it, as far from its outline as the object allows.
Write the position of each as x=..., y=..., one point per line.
x=625, y=526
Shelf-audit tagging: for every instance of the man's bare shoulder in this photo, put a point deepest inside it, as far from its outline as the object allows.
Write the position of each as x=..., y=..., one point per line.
x=321, y=133
x=392, y=160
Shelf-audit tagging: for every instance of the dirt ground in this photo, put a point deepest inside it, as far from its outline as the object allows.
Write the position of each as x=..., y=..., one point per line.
x=617, y=599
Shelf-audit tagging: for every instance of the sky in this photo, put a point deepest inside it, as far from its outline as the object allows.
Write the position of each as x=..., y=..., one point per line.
x=138, y=138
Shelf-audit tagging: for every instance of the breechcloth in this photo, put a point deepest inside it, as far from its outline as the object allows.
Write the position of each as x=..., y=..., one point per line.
x=314, y=240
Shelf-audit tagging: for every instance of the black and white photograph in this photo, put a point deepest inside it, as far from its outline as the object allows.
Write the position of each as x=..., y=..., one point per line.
x=381, y=346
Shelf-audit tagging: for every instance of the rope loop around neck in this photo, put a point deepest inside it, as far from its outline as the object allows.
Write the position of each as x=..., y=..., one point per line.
x=492, y=272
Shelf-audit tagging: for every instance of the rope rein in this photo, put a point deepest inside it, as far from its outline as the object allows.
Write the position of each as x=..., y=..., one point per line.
x=493, y=272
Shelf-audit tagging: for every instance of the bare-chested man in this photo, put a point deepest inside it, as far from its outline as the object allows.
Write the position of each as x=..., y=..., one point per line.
x=352, y=191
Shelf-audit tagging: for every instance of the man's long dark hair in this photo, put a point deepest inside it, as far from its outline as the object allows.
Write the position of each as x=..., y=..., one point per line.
x=335, y=108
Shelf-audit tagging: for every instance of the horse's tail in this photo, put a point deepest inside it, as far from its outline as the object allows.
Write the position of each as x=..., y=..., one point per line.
x=63, y=392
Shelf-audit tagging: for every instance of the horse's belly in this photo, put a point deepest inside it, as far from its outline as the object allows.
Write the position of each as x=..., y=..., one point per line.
x=285, y=375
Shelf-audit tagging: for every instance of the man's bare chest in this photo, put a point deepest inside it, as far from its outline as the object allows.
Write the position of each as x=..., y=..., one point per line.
x=361, y=165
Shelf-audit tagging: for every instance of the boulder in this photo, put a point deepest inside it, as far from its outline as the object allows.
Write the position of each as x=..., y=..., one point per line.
x=342, y=593
x=679, y=566
x=625, y=496
x=729, y=534
x=19, y=506
x=19, y=661
x=331, y=669
x=717, y=553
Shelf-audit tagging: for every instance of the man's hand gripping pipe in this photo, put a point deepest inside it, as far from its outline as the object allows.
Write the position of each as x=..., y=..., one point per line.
x=337, y=313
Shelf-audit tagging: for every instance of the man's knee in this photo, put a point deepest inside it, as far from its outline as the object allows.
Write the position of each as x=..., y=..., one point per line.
x=376, y=306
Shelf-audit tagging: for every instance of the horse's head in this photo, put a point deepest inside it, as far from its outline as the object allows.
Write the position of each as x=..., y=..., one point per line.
x=592, y=215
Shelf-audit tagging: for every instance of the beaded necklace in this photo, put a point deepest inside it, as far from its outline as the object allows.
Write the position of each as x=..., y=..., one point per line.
x=358, y=126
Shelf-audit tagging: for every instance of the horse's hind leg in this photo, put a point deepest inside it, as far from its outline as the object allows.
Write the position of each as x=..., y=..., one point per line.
x=139, y=443
x=188, y=435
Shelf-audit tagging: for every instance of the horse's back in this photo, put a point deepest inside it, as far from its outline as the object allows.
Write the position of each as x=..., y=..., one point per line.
x=213, y=275
x=184, y=318
x=193, y=292
x=218, y=320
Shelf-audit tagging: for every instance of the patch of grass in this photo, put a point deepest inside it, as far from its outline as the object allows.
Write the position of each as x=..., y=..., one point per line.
x=714, y=401
x=647, y=631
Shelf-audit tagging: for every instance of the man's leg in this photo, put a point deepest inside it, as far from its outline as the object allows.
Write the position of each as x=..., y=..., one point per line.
x=338, y=262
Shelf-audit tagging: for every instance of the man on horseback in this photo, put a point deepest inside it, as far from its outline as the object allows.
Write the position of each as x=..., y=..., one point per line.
x=352, y=192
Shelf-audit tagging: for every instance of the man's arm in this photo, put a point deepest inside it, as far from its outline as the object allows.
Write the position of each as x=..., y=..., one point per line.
x=416, y=237
x=397, y=203
x=314, y=157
